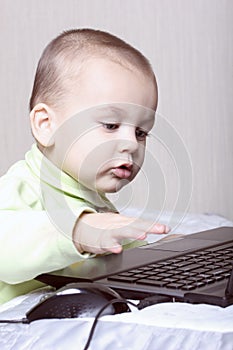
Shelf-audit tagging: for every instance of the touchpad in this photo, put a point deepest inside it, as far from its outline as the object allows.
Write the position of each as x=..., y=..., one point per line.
x=181, y=245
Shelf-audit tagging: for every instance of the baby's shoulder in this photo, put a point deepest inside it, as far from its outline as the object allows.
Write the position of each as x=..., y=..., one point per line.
x=19, y=187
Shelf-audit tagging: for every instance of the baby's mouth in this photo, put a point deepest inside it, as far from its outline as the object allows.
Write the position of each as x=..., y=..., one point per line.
x=123, y=171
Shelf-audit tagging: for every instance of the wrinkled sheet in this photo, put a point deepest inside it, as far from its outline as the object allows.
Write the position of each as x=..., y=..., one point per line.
x=167, y=326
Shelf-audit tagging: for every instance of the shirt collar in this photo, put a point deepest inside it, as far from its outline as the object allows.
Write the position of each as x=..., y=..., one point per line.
x=48, y=173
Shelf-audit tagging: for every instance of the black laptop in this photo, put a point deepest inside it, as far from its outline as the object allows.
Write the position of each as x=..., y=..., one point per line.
x=194, y=268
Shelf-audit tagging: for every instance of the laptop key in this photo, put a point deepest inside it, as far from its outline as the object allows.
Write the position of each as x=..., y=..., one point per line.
x=174, y=285
x=210, y=280
x=190, y=267
x=155, y=278
x=126, y=274
x=219, y=271
x=122, y=278
x=202, y=270
x=140, y=275
x=145, y=268
x=199, y=284
x=219, y=278
x=165, y=274
x=188, y=287
x=151, y=282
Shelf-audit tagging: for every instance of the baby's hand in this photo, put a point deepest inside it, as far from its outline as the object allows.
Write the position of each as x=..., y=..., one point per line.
x=103, y=232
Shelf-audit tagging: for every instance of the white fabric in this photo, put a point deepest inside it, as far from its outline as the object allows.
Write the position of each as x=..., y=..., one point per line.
x=168, y=326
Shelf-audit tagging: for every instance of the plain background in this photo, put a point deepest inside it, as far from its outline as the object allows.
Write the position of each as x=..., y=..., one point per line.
x=190, y=45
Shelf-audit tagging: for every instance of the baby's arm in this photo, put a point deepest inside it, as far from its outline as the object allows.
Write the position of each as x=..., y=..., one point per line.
x=103, y=232
x=30, y=245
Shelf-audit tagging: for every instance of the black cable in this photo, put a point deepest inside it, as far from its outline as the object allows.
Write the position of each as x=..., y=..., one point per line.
x=153, y=299
x=143, y=303
x=113, y=301
x=23, y=320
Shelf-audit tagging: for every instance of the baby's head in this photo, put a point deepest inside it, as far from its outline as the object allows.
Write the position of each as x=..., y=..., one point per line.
x=104, y=81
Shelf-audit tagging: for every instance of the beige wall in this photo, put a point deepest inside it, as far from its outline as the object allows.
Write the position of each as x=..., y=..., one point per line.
x=190, y=44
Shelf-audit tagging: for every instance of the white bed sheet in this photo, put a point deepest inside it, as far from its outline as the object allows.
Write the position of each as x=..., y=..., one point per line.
x=168, y=326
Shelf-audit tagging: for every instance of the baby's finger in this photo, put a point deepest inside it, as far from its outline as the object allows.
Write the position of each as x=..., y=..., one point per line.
x=159, y=228
x=115, y=249
x=150, y=227
x=110, y=244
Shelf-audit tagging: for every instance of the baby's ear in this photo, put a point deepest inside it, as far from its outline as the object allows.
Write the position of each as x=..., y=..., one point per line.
x=43, y=124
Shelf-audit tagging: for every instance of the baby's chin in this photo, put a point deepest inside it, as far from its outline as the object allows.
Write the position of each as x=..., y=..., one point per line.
x=113, y=184
x=114, y=187
x=107, y=184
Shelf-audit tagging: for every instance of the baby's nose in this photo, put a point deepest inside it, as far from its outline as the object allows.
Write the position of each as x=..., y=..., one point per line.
x=128, y=142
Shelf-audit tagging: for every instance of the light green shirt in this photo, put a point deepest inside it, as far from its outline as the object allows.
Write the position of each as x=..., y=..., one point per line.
x=39, y=206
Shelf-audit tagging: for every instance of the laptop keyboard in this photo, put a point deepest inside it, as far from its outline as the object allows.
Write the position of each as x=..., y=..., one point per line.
x=186, y=272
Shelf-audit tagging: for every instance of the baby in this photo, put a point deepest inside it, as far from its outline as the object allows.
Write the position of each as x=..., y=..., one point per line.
x=92, y=107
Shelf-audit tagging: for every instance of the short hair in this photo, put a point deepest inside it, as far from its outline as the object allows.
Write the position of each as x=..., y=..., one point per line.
x=64, y=57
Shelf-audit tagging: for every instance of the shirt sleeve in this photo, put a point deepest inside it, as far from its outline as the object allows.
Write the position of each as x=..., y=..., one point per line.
x=30, y=241
x=30, y=245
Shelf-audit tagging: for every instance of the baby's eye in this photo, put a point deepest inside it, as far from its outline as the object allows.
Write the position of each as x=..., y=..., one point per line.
x=110, y=126
x=141, y=134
